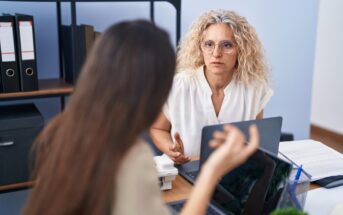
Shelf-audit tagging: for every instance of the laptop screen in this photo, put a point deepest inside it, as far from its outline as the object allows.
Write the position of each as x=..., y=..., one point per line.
x=269, y=130
x=254, y=187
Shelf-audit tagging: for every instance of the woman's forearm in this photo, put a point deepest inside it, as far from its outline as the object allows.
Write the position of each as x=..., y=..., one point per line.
x=197, y=203
x=161, y=139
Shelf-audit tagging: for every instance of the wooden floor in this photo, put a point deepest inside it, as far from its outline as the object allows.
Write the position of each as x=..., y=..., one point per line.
x=332, y=141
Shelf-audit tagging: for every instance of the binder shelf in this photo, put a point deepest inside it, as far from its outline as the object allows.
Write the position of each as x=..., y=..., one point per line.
x=58, y=87
x=47, y=88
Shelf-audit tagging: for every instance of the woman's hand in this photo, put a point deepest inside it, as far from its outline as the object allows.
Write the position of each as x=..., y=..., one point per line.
x=176, y=151
x=231, y=150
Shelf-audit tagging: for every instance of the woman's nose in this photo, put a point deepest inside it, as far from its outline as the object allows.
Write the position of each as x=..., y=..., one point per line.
x=217, y=52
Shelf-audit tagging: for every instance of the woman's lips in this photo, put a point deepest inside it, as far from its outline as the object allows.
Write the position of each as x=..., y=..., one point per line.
x=216, y=63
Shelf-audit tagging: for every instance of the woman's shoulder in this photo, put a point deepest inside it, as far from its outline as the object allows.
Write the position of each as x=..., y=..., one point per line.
x=136, y=178
x=185, y=78
x=138, y=153
x=137, y=162
x=255, y=91
x=254, y=86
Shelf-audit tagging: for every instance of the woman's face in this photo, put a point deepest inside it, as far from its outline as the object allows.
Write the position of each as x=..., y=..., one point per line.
x=219, y=49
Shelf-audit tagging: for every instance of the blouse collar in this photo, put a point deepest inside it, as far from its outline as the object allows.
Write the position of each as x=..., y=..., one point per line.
x=200, y=73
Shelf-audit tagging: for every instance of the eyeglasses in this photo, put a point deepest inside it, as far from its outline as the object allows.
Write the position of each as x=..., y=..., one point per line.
x=225, y=46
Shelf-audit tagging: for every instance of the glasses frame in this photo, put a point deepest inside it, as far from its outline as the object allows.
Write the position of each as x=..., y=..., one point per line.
x=220, y=45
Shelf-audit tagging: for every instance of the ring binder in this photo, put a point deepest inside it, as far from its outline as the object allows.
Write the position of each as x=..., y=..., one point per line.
x=83, y=44
x=26, y=52
x=9, y=71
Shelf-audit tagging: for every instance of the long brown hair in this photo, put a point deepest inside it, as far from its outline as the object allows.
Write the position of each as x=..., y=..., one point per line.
x=120, y=92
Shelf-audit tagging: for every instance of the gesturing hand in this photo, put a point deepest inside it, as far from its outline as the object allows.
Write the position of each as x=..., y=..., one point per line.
x=176, y=151
x=231, y=150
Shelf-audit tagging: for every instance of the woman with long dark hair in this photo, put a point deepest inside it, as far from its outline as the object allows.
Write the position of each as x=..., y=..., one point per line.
x=91, y=160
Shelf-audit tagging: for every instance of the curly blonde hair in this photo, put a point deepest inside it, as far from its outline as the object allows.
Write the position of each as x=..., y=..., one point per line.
x=251, y=63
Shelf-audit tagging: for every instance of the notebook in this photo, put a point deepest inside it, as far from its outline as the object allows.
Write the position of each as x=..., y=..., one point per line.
x=317, y=159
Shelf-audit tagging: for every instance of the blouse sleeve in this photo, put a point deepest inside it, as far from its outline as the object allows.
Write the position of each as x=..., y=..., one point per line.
x=179, y=84
x=265, y=94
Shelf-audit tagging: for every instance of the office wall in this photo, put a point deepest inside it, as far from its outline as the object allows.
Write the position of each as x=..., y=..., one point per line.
x=286, y=28
x=327, y=103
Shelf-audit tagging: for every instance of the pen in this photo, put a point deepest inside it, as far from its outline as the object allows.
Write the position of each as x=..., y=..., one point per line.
x=293, y=187
x=297, y=177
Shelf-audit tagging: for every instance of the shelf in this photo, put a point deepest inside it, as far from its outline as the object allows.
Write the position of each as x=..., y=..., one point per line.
x=16, y=186
x=47, y=88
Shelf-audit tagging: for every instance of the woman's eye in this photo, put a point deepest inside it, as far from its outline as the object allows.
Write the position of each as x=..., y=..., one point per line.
x=227, y=45
x=209, y=44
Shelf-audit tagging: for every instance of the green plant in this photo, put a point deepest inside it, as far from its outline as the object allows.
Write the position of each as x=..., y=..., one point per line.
x=288, y=211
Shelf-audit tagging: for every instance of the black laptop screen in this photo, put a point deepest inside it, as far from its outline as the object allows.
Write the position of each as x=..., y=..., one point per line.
x=254, y=187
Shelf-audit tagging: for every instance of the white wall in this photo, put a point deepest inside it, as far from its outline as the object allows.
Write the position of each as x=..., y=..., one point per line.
x=327, y=98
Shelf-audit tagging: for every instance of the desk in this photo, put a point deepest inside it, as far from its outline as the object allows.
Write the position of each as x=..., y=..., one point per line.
x=182, y=189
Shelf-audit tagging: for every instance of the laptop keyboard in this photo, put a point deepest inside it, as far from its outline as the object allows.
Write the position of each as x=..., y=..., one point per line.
x=191, y=175
x=178, y=206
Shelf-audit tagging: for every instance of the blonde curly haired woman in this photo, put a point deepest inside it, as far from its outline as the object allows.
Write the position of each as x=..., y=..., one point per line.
x=222, y=77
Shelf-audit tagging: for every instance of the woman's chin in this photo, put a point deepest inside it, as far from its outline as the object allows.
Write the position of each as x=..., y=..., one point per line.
x=218, y=71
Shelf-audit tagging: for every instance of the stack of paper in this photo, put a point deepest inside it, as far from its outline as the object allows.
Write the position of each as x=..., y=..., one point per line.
x=318, y=160
x=166, y=171
x=323, y=201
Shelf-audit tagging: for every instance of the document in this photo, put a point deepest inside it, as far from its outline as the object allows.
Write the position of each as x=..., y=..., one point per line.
x=323, y=201
x=26, y=40
x=7, y=42
x=317, y=159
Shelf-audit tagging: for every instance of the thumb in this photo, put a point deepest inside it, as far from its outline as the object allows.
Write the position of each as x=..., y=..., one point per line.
x=172, y=147
x=177, y=137
x=178, y=141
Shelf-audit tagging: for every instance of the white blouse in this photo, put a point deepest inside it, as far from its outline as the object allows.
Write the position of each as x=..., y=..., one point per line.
x=189, y=106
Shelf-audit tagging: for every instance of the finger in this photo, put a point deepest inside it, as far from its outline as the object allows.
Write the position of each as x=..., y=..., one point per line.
x=174, y=154
x=219, y=135
x=215, y=144
x=253, y=143
x=234, y=135
x=254, y=137
x=183, y=159
x=228, y=127
x=172, y=147
x=178, y=141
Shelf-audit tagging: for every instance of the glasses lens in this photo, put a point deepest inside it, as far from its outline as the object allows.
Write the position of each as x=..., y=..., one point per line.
x=225, y=46
x=208, y=46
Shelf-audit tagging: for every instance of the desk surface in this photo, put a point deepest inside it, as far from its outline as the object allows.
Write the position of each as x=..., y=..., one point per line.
x=182, y=189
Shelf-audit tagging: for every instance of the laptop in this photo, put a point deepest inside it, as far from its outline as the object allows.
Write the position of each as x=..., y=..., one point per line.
x=254, y=187
x=269, y=130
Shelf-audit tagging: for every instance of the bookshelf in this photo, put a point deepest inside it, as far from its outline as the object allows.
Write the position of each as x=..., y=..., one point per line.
x=16, y=186
x=58, y=87
x=47, y=88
